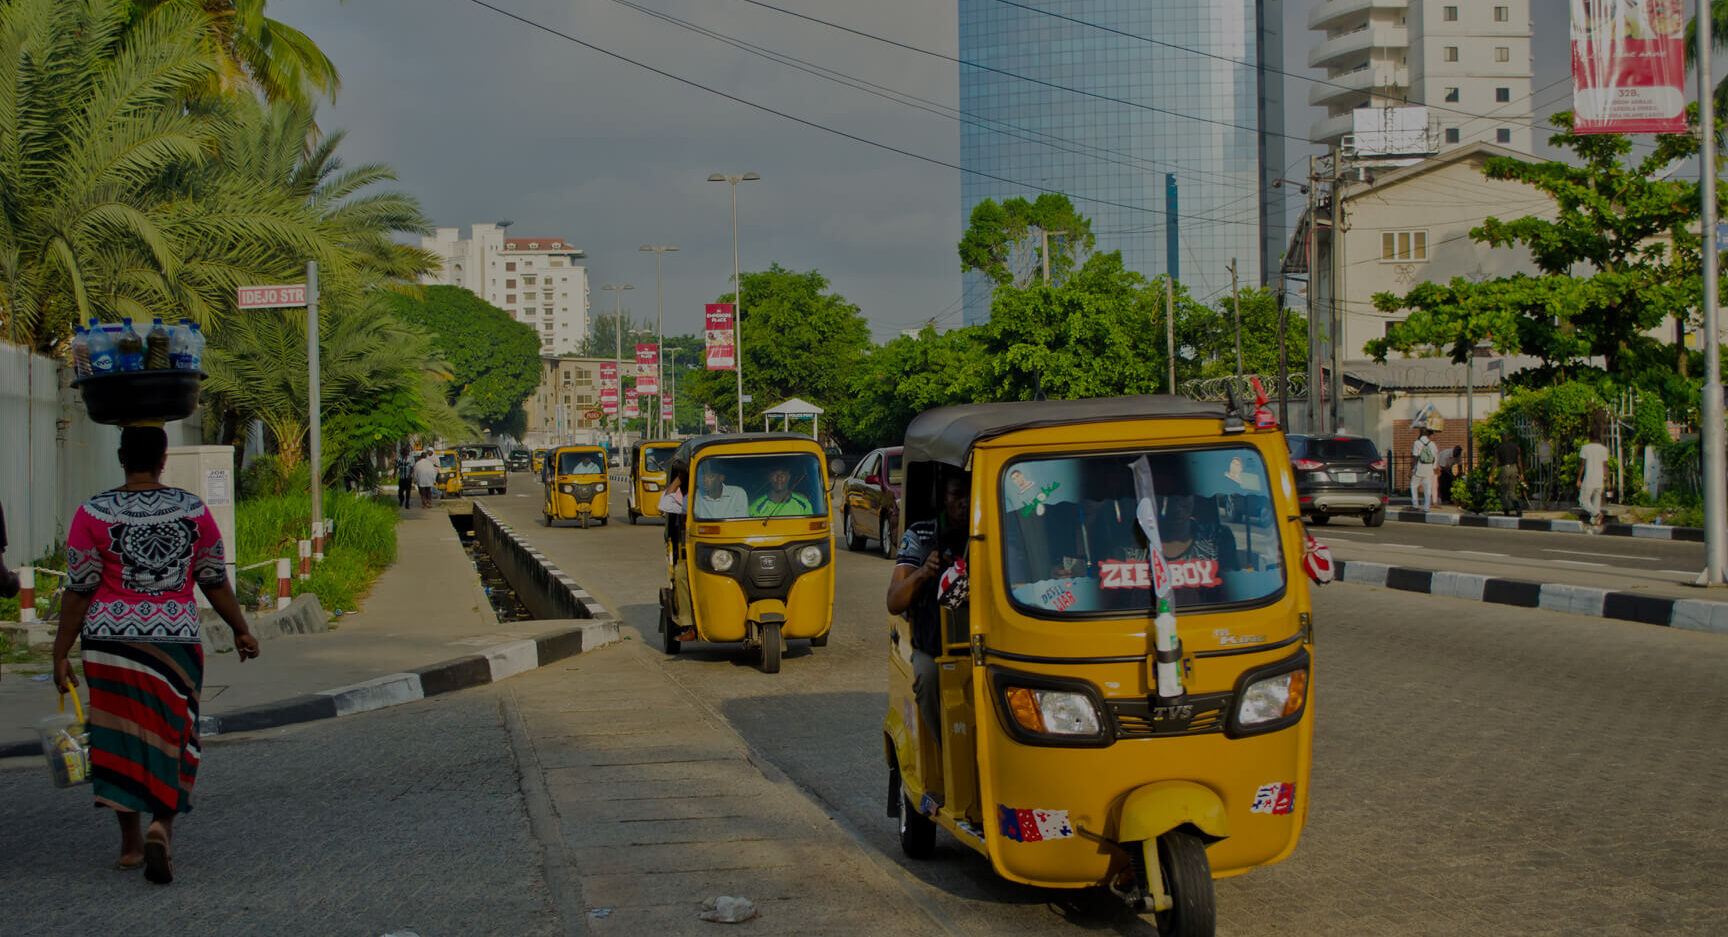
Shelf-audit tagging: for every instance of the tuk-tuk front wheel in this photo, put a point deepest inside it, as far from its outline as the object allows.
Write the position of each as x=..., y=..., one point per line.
x=917, y=831
x=771, y=647
x=1186, y=874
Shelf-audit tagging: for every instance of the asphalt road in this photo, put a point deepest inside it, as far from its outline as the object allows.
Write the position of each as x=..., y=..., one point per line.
x=1478, y=769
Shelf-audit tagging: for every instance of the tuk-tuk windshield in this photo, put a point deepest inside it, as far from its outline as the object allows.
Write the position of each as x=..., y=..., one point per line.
x=740, y=486
x=447, y=460
x=579, y=463
x=654, y=458
x=1074, y=547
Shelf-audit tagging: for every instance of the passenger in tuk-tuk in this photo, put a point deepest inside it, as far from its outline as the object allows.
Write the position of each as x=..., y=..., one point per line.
x=780, y=500
x=928, y=548
x=716, y=500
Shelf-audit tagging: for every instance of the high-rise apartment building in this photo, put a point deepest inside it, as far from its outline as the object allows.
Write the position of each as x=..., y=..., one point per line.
x=538, y=280
x=1467, y=60
x=1100, y=99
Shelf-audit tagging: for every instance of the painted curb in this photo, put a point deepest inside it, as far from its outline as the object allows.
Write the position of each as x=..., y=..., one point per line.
x=1559, y=525
x=1687, y=614
x=490, y=665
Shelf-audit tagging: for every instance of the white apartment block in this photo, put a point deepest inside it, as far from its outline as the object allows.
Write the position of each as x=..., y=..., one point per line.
x=1469, y=61
x=538, y=280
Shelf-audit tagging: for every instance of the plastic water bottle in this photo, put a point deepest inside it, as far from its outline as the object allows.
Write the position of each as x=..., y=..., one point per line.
x=80, y=352
x=194, y=347
x=156, y=346
x=131, y=347
x=180, y=347
x=104, y=356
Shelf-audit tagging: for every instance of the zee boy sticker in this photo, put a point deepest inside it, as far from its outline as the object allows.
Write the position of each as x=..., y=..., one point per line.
x=1184, y=574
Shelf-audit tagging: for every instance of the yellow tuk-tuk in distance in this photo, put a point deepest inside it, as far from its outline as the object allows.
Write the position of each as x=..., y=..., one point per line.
x=752, y=559
x=648, y=477
x=449, y=482
x=538, y=461
x=575, y=485
x=1120, y=669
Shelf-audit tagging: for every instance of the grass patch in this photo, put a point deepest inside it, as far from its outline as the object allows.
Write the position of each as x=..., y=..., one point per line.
x=363, y=545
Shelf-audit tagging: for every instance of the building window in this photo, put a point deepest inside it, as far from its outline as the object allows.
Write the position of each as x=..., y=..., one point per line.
x=557, y=263
x=1449, y=53
x=1502, y=95
x=528, y=297
x=1451, y=95
x=1502, y=54
x=1403, y=246
x=1451, y=134
x=510, y=284
x=1503, y=135
x=510, y=297
x=511, y=265
x=1502, y=14
x=534, y=245
x=547, y=326
x=1449, y=14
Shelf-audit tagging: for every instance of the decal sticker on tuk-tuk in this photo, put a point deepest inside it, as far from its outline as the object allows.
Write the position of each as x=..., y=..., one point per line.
x=1277, y=798
x=1032, y=826
x=1184, y=574
x=927, y=805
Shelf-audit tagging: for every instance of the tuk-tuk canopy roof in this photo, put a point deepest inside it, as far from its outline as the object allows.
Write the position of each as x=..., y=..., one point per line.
x=687, y=451
x=947, y=434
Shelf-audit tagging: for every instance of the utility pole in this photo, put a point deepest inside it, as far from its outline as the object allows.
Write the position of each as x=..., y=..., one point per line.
x=1171, y=256
x=659, y=317
x=1236, y=310
x=1316, y=376
x=1283, y=354
x=617, y=291
x=732, y=180
x=1715, y=485
x=1335, y=320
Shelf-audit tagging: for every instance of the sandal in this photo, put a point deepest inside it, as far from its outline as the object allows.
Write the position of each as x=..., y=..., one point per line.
x=158, y=865
x=121, y=865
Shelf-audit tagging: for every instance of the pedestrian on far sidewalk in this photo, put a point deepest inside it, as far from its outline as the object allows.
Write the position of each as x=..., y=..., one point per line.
x=1592, y=478
x=1510, y=459
x=1425, y=455
x=1451, y=460
x=404, y=477
x=425, y=476
x=9, y=584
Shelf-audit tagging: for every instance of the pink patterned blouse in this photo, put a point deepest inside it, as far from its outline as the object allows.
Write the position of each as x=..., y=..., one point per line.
x=137, y=554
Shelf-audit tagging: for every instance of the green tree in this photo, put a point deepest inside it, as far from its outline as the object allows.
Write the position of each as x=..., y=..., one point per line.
x=1003, y=241
x=901, y=379
x=257, y=51
x=1618, y=257
x=494, y=360
x=799, y=341
x=1206, y=337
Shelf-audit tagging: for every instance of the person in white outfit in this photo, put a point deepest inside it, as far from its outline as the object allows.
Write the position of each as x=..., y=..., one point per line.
x=1592, y=478
x=1426, y=457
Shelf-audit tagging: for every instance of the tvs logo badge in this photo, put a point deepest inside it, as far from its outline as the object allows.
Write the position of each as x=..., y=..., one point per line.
x=1277, y=798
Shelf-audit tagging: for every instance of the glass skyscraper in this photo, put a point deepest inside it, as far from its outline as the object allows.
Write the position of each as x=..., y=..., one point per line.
x=1070, y=96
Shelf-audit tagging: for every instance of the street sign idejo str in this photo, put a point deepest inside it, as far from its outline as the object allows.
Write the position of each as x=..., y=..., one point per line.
x=647, y=363
x=717, y=318
x=271, y=297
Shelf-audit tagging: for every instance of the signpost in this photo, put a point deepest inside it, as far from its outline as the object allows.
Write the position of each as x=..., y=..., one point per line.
x=717, y=330
x=294, y=295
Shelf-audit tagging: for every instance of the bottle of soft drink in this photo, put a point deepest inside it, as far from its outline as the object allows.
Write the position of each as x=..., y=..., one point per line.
x=195, y=348
x=104, y=357
x=131, y=347
x=180, y=347
x=156, y=345
x=80, y=352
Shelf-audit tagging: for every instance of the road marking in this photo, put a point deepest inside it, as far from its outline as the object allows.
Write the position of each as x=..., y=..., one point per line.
x=1341, y=533
x=1612, y=556
x=1680, y=572
x=1479, y=553
x=1578, y=563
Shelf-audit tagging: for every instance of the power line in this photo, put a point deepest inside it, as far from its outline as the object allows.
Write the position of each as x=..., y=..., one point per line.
x=825, y=128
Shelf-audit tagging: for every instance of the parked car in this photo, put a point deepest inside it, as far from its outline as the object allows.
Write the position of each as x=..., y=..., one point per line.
x=521, y=460
x=870, y=501
x=1339, y=474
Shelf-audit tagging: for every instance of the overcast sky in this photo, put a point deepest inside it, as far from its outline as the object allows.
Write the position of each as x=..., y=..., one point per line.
x=485, y=118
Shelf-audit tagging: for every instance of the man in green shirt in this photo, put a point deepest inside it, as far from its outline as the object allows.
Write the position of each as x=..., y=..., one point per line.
x=780, y=500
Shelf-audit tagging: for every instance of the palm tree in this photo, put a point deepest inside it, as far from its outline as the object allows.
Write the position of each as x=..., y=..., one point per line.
x=277, y=59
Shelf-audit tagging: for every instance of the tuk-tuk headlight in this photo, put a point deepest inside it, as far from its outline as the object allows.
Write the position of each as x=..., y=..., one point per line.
x=722, y=560
x=810, y=557
x=1053, y=712
x=567, y=489
x=599, y=487
x=651, y=486
x=1271, y=698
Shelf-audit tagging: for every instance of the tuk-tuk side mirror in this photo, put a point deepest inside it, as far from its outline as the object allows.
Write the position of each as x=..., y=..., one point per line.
x=836, y=465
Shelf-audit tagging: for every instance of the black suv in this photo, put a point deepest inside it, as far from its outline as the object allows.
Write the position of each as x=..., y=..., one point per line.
x=520, y=460
x=1339, y=475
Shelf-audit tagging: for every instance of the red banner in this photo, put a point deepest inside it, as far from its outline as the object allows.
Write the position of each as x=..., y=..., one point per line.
x=722, y=354
x=1628, y=66
x=609, y=389
x=708, y=419
x=631, y=409
x=647, y=369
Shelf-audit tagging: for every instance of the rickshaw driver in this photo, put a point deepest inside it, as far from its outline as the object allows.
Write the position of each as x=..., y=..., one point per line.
x=926, y=548
x=780, y=499
x=716, y=500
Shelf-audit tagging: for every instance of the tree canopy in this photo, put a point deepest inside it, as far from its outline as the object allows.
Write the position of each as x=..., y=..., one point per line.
x=1003, y=241
x=494, y=360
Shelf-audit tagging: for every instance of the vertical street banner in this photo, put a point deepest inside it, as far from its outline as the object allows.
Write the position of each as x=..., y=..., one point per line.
x=647, y=369
x=1628, y=66
x=609, y=389
x=708, y=419
x=665, y=408
x=717, y=319
x=631, y=409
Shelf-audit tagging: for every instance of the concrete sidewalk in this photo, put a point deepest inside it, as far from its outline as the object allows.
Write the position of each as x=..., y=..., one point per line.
x=425, y=628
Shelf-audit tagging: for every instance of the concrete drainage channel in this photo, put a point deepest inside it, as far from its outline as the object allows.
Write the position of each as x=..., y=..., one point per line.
x=522, y=583
x=506, y=604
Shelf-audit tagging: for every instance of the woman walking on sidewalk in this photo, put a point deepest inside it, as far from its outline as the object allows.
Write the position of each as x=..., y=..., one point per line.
x=132, y=556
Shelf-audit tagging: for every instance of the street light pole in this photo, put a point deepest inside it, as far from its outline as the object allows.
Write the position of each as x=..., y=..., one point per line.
x=1236, y=310
x=617, y=291
x=659, y=323
x=1710, y=439
x=737, y=288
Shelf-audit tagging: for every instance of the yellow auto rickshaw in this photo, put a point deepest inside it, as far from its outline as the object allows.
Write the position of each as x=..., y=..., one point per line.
x=752, y=558
x=1120, y=659
x=538, y=460
x=449, y=483
x=648, y=477
x=575, y=485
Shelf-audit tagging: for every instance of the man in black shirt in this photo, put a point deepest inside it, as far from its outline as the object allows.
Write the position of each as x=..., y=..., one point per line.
x=929, y=547
x=1507, y=454
x=8, y=579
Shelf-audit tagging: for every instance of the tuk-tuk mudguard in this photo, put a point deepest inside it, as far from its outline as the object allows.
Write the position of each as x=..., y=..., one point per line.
x=565, y=507
x=1154, y=809
x=719, y=604
x=722, y=610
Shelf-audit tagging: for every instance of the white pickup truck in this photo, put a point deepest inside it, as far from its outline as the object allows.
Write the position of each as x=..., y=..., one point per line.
x=482, y=469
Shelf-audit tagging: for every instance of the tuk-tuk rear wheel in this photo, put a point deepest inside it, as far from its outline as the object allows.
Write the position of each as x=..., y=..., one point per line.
x=668, y=629
x=917, y=831
x=1188, y=878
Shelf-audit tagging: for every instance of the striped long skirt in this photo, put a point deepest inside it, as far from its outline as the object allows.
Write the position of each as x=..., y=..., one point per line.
x=143, y=723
